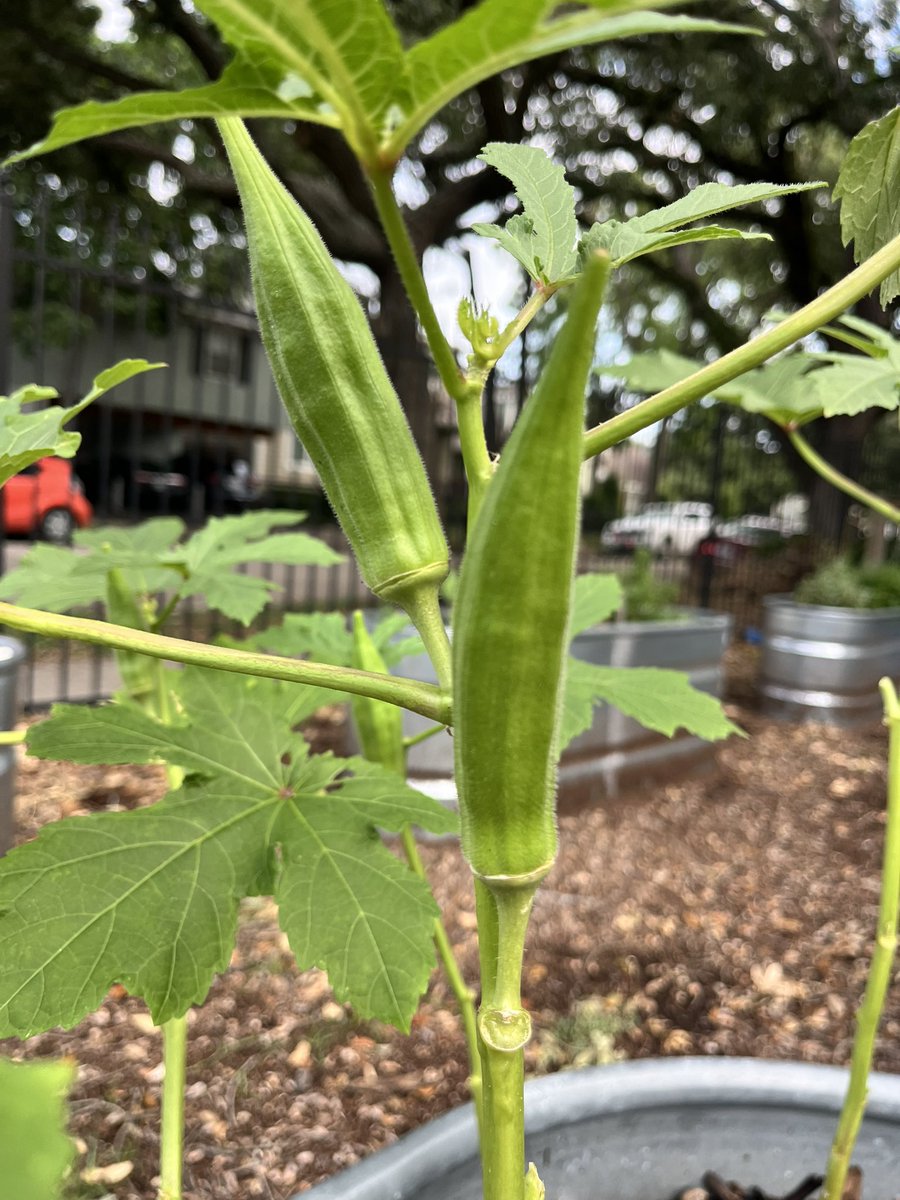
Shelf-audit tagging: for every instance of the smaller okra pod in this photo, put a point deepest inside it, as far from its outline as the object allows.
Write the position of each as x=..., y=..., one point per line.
x=378, y=725
x=512, y=616
x=335, y=389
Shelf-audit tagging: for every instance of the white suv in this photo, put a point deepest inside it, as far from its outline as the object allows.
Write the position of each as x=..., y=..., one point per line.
x=661, y=528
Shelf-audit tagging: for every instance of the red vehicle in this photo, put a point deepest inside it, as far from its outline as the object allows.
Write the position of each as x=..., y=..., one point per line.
x=45, y=500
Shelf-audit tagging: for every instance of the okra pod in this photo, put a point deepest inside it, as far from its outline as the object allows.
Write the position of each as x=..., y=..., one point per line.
x=379, y=725
x=335, y=388
x=512, y=615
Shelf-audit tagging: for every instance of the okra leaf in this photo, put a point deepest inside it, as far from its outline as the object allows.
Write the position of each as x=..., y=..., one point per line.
x=496, y=35
x=596, y=598
x=624, y=243
x=652, y=371
x=661, y=700
x=326, y=638
x=348, y=54
x=543, y=237
x=870, y=198
x=660, y=229
x=26, y=437
x=852, y=383
x=257, y=89
x=149, y=898
x=35, y=1152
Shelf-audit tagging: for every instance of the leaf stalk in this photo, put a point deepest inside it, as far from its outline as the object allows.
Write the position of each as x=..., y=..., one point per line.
x=423, y=698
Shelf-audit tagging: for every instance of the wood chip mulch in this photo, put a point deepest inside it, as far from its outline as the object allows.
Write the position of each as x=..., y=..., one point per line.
x=729, y=913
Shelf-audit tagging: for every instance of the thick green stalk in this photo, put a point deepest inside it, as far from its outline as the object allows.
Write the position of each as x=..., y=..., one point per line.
x=805, y=321
x=841, y=482
x=425, y=613
x=423, y=698
x=504, y=1029
x=380, y=180
x=172, y=1130
x=879, y=980
x=477, y=461
x=462, y=992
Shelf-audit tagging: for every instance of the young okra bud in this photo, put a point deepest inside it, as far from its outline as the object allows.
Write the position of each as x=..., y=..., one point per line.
x=335, y=388
x=379, y=725
x=512, y=614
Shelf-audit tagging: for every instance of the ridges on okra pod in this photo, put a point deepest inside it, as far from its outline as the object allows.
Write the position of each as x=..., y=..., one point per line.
x=512, y=614
x=335, y=388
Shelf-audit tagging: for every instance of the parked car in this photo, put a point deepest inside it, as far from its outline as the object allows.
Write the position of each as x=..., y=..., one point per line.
x=46, y=500
x=661, y=528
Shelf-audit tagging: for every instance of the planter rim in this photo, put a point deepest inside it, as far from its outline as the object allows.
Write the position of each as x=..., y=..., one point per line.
x=785, y=600
x=690, y=618
x=12, y=652
x=571, y=1096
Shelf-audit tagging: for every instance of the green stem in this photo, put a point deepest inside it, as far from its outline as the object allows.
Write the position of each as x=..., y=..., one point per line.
x=172, y=1132
x=423, y=698
x=464, y=995
x=424, y=608
x=476, y=459
x=841, y=482
x=521, y=321
x=806, y=320
x=416, y=738
x=504, y=1029
x=870, y=1011
x=12, y=737
x=380, y=179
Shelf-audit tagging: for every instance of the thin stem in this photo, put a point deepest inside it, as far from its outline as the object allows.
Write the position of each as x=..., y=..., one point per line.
x=12, y=737
x=172, y=1131
x=423, y=698
x=833, y=476
x=416, y=738
x=476, y=459
x=806, y=320
x=464, y=996
x=424, y=608
x=380, y=179
x=521, y=321
x=877, y=984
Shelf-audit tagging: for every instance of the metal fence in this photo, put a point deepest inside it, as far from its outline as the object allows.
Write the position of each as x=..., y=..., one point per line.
x=208, y=436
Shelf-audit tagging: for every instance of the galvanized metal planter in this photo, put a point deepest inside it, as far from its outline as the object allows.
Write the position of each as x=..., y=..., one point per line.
x=12, y=654
x=823, y=663
x=615, y=748
x=643, y=1130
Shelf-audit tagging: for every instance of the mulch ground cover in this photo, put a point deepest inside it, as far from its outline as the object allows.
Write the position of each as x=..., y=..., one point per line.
x=726, y=913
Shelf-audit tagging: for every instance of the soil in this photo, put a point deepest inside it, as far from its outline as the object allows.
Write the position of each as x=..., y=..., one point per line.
x=729, y=913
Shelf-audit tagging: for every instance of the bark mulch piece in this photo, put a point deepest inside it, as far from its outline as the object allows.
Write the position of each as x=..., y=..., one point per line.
x=728, y=914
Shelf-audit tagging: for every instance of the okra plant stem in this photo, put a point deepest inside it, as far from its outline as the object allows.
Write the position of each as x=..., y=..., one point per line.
x=407, y=262
x=831, y=475
x=423, y=698
x=504, y=1028
x=806, y=320
x=476, y=458
x=424, y=609
x=172, y=1125
x=12, y=737
x=879, y=980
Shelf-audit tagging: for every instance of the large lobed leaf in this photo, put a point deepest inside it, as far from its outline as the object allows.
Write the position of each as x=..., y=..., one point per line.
x=868, y=187
x=343, y=64
x=149, y=898
x=152, y=558
x=661, y=700
x=35, y=1152
x=26, y=437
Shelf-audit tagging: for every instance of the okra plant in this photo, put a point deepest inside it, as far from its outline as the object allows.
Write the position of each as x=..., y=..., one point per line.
x=249, y=811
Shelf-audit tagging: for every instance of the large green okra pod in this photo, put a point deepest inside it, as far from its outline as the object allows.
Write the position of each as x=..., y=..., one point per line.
x=512, y=613
x=335, y=388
